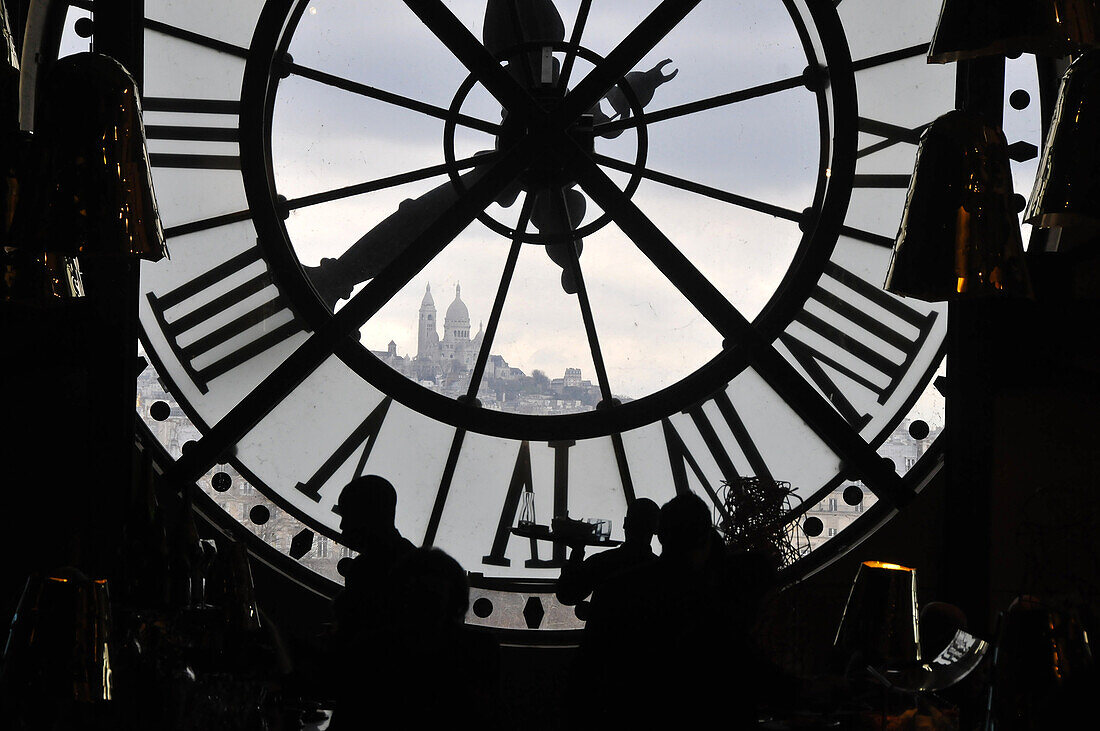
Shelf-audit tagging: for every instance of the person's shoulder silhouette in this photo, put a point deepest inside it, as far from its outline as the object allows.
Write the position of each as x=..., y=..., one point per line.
x=428, y=665
x=651, y=627
x=581, y=576
x=367, y=508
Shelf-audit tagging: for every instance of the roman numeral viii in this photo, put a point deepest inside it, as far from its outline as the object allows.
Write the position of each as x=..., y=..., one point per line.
x=858, y=338
x=202, y=143
x=189, y=315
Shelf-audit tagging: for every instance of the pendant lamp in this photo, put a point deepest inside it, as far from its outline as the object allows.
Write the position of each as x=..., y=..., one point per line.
x=879, y=623
x=975, y=28
x=1043, y=674
x=1067, y=183
x=57, y=661
x=959, y=235
x=98, y=195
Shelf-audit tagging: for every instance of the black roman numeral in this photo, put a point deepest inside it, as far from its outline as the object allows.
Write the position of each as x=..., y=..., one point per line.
x=180, y=318
x=522, y=481
x=852, y=327
x=680, y=458
x=193, y=135
x=445, y=486
x=365, y=435
x=624, y=467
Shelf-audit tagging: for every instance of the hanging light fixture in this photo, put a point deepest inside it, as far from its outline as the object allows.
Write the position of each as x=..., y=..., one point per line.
x=959, y=235
x=28, y=276
x=1067, y=183
x=975, y=28
x=879, y=623
x=98, y=195
x=1043, y=668
x=57, y=662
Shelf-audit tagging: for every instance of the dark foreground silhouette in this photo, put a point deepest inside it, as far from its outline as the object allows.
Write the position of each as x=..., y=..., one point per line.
x=581, y=576
x=668, y=639
x=403, y=656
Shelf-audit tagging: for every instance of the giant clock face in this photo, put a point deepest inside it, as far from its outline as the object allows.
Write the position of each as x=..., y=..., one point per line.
x=704, y=239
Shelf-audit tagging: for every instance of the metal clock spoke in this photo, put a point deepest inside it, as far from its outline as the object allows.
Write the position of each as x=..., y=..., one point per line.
x=206, y=224
x=398, y=100
x=702, y=105
x=560, y=207
x=474, y=56
x=333, y=336
x=199, y=39
x=704, y=190
x=920, y=49
x=501, y=296
x=574, y=42
x=622, y=59
x=649, y=239
x=390, y=181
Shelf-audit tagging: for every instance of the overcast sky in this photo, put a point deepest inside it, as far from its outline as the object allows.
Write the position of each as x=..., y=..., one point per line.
x=765, y=148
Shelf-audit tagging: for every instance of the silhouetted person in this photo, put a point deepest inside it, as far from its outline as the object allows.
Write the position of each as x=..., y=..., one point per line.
x=649, y=640
x=423, y=668
x=581, y=576
x=668, y=639
x=367, y=507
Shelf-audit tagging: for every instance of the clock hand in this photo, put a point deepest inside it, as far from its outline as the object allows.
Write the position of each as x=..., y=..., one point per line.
x=509, y=23
x=376, y=249
x=552, y=219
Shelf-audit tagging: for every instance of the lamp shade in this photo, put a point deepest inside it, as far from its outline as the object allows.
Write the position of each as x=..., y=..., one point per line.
x=880, y=617
x=1067, y=183
x=99, y=196
x=231, y=588
x=959, y=235
x=58, y=650
x=40, y=279
x=974, y=28
x=1043, y=671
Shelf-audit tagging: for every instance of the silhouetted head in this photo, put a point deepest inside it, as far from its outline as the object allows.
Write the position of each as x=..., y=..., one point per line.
x=367, y=506
x=431, y=588
x=684, y=525
x=938, y=623
x=642, y=518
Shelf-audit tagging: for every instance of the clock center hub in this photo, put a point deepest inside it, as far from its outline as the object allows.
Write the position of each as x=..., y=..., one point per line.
x=548, y=167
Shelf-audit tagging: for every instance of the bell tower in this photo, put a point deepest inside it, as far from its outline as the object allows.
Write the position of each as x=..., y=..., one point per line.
x=427, y=339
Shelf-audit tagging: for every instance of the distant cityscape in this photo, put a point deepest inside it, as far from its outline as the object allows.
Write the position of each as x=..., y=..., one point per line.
x=444, y=365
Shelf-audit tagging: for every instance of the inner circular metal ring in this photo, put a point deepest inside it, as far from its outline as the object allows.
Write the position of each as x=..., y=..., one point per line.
x=539, y=238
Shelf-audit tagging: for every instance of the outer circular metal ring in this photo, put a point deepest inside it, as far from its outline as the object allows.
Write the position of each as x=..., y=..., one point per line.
x=837, y=112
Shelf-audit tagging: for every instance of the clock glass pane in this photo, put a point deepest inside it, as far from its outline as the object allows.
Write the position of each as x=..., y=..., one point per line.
x=678, y=290
x=728, y=180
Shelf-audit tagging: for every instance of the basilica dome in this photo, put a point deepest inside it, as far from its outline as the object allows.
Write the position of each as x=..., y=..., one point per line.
x=457, y=312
